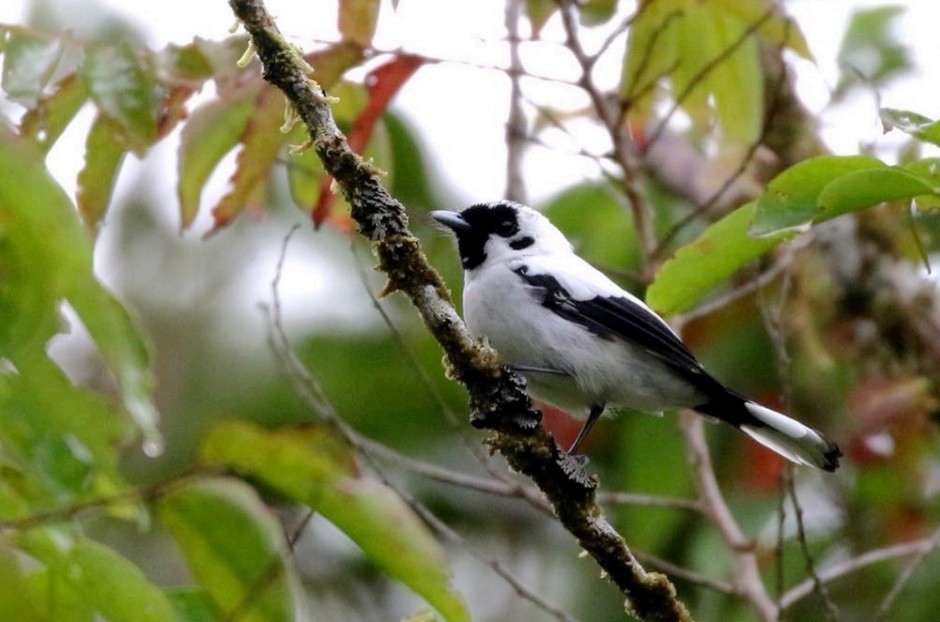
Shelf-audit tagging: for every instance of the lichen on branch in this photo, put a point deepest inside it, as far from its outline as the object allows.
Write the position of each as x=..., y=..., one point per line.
x=498, y=400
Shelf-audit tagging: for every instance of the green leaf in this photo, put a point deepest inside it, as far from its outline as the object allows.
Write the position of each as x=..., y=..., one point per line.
x=47, y=257
x=927, y=169
x=185, y=63
x=736, y=83
x=29, y=61
x=104, y=152
x=127, y=352
x=98, y=578
x=778, y=30
x=373, y=516
x=595, y=12
x=790, y=200
x=48, y=119
x=698, y=47
x=261, y=142
x=123, y=86
x=213, y=129
x=14, y=601
x=917, y=125
x=706, y=262
x=539, y=12
x=235, y=547
x=357, y=20
x=861, y=189
x=191, y=605
x=870, y=53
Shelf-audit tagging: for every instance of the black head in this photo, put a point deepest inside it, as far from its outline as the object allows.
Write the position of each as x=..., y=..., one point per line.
x=496, y=229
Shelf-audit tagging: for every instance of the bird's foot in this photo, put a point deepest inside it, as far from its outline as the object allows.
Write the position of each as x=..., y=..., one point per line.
x=574, y=467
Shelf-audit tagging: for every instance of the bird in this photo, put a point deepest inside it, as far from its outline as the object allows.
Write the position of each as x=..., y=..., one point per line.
x=584, y=344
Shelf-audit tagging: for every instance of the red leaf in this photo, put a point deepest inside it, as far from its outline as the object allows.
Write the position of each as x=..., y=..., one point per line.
x=382, y=83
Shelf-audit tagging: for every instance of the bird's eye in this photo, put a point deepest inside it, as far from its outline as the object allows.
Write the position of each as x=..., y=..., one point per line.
x=506, y=228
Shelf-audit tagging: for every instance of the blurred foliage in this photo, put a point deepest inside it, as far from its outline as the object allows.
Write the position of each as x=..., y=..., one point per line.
x=109, y=512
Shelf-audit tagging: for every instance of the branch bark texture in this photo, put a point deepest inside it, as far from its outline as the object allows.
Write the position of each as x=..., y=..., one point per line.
x=498, y=401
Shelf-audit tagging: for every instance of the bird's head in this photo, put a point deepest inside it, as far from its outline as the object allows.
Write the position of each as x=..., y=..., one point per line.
x=501, y=230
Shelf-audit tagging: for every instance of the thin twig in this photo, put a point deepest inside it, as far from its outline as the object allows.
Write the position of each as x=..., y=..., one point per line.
x=516, y=123
x=706, y=69
x=850, y=566
x=904, y=578
x=705, y=207
x=311, y=392
x=748, y=582
x=611, y=121
x=832, y=612
x=675, y=570
x=271, y=571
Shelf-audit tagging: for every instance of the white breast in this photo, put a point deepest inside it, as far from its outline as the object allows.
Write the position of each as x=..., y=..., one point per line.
x=500, y=308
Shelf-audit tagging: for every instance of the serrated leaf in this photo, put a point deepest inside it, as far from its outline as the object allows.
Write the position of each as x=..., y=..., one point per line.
x=235, y=548
x=790, y=200
x=212, y=130
x=104, y=152
x=706, y=262
x=373, y=516
x=29, y=61
x=99, y=579
x=358, y=19
x=261, y=141
x=861, y=189
x=123, y=86
x=917, y=125
x=45, y=122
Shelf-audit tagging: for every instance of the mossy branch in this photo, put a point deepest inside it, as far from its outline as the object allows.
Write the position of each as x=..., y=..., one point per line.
x=498, y=401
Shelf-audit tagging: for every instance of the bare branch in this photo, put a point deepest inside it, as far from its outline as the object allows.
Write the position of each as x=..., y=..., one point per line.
x=918, y=547
x=748, y=582
x=904, y=578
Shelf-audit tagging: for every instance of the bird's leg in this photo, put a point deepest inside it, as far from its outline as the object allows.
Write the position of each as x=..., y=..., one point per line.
x=594, y=415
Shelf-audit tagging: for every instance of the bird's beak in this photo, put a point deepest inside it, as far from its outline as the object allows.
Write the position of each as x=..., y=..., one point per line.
x=451, y=219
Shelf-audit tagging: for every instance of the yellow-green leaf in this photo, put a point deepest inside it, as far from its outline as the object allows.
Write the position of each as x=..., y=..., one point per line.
x=235, y=547
x=373, y=516
x=28, y=63
x=45, y=122
x=122, y=84
x=104, y=152
x=212, y=130
x=357, y=20
x=791, y=199
x=706, y=262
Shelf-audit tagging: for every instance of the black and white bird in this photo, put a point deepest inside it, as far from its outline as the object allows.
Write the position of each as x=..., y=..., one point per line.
x=583, y=343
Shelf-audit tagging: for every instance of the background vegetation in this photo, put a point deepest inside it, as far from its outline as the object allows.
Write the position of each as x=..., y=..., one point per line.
x=313, y=462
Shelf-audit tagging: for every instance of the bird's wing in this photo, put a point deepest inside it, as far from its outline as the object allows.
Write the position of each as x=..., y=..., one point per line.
x=576, y=291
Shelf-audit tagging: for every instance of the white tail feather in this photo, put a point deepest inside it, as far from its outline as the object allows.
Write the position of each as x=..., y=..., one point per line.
x=790, y=438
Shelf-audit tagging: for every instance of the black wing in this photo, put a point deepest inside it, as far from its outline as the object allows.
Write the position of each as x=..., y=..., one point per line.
x=617, y=317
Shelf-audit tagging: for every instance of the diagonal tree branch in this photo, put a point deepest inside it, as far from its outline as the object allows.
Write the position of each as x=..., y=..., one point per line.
x=497, y=398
